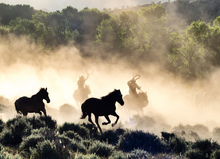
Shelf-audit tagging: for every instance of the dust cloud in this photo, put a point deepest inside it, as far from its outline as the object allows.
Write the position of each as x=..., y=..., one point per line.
x=174, y=105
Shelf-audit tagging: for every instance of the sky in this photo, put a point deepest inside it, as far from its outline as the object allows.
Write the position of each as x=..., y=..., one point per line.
x=53, y=5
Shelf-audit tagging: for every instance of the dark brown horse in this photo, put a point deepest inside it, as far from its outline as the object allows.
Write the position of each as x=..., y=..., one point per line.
x=102, y=107
x=35, y=104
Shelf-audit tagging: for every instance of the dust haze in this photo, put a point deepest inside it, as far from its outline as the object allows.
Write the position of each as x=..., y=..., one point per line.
x=174, y=105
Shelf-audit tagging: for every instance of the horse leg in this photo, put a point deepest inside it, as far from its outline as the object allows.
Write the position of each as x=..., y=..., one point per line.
x=44, y=111
x=116, y=115
x=109, y=121
x=97, y=122
x=90, y=120
x=25, y=113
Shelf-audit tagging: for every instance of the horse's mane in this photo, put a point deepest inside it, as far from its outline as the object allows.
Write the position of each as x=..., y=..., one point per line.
x=40, y=90
x=109, y=96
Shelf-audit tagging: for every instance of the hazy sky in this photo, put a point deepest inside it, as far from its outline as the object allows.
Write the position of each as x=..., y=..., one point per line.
x=53, y=5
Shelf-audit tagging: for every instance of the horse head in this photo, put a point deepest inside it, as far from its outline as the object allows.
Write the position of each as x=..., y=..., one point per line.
x=44, y=94
x=118, y=96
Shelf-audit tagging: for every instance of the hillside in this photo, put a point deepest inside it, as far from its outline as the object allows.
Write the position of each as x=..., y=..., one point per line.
x=41, y=138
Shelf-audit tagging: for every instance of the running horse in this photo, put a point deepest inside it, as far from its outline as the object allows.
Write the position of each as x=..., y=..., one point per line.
x=102, y=107
x=35, y=104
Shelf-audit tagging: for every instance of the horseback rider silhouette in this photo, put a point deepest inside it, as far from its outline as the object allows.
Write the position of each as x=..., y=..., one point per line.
x=133, y=86
x=83, y=90
x=81, y=82
x=136, y=99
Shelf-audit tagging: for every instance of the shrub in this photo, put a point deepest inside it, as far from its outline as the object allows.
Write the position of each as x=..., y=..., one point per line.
x=50, y=123
x=45, y=149
x=89, y=156
x=45, y=132
x=30, y=142
x=16, y=129
x=110, y=137
x=131, y=140
x=6, y=155
x=36, y=122
x=215, y=154
x=93, y=131
x=72, y=135
x=174, y=144
x=137, y=154
x=77, y=146
x=204, y=146
x=118, y=155
x=81, y=130
x=195, y=154
x=101, y=149
x=2, y=124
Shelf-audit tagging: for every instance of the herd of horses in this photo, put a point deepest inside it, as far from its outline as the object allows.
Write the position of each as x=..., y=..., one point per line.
x=104, y=106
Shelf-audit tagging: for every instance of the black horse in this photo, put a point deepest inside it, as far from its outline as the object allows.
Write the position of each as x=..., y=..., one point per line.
x=35, y=104
x=102, y=107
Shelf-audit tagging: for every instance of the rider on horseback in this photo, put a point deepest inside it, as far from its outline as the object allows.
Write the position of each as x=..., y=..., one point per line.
x=83, y=90
x=133, y=86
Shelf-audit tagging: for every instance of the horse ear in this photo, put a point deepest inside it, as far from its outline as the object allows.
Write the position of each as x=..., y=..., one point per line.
x=46, y=88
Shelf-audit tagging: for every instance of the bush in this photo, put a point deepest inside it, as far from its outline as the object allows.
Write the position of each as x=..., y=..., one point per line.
x=215, y=154
x=81, y=156
x=174, y=144
x=110, y=137
x=77, y=146
x=15, y=130
x=50, y=123
x=204, y=146
x=36, y=122
x=5, y=155
x=2, y=124
x=45, y=150
x=131, y=140
x=195, y=154
x=118, y=155
x=81, y=130
x=72, y=135
x=45, y=132
x=30, y=142
x=137, y=154
x=101, y=149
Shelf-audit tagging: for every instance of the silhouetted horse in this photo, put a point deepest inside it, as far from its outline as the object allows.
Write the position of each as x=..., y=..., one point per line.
x=102, y=107
x=25, y=105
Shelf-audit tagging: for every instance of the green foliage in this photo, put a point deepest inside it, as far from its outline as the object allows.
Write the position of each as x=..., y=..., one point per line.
x=215, y=154
x=30, y=142
x=111, y=136
x=81, y=156
x=16, y=129
x=6, y=155
x=118, y=155
x=131, y=140
x=81, y=130
x=137, y=153
x=72, y=135
x=50, y=123
x=101, y=149
x=45, y=149
x=2, y=124
x=174, y=143
x=77, y=146
x=36, y=138
x=195, y=154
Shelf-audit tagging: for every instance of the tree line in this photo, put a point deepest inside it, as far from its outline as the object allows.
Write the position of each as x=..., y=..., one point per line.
x=140, y=36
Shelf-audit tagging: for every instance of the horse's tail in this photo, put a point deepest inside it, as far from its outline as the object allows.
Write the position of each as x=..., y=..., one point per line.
x=16, y=106
x=83, y=111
